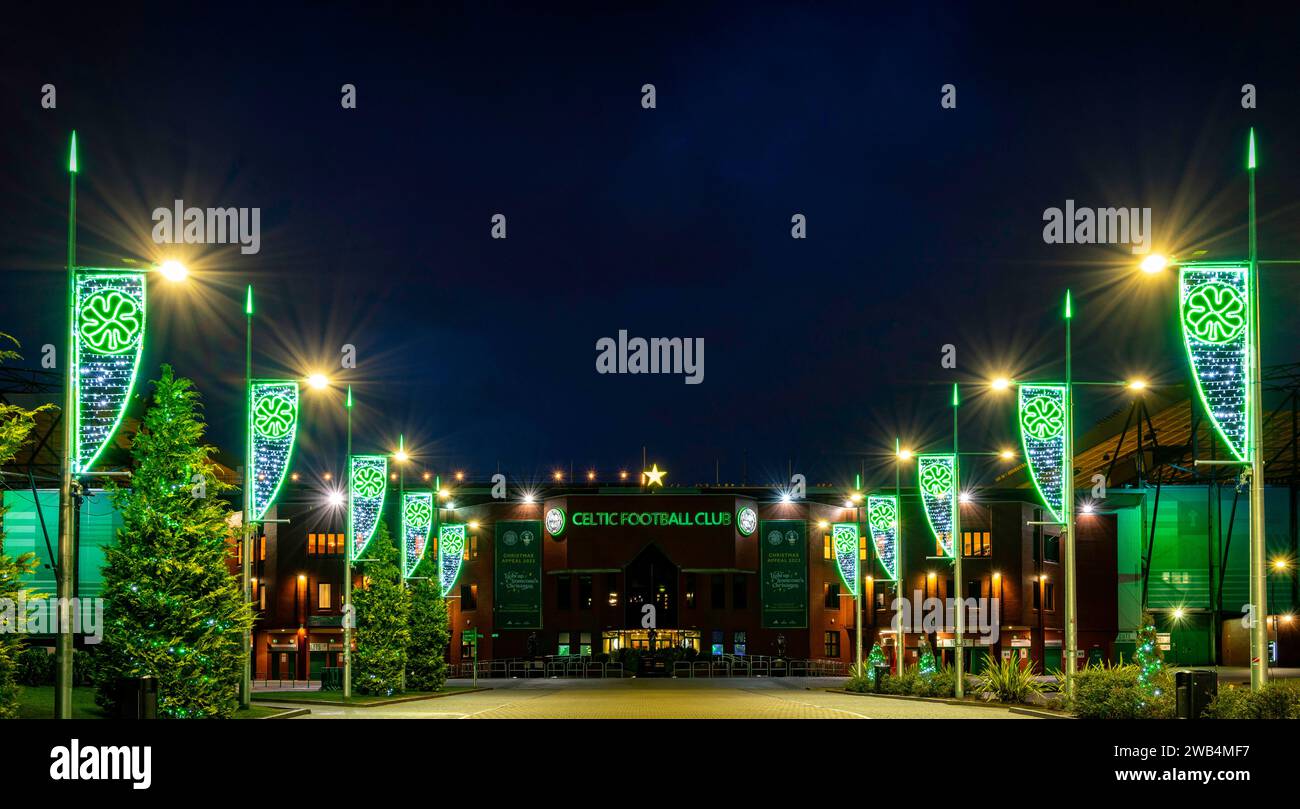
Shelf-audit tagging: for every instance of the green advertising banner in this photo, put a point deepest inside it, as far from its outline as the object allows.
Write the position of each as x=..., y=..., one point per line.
x=783, y=569
x=517, y=597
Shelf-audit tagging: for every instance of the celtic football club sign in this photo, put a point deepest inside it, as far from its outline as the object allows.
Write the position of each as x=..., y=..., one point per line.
x=417, y=521
x=273, y=426
x=938, y=495
x=1215, y=314
x=451, y=551
x=1042, y=434
x=844, y=540
x=882, y=520
x=368, y=482
x=108, y=337
x=746, y=520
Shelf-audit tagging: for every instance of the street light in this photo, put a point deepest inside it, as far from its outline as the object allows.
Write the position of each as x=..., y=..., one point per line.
x=318, y=381
x=1154, y=263
x=173, y=270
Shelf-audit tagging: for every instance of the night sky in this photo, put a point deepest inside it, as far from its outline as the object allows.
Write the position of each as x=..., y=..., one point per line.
x=924, y=224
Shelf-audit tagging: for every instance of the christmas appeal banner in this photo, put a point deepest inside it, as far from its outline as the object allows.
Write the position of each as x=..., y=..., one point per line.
x=517, y=575
x=783, y=571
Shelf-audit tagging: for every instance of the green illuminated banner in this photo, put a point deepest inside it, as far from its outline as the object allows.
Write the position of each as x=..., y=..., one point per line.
x=844, y=539
x=882, y=520
x=783, y=571
x=272, y=429
x=108, y=337
x=368, y=483
x=451, y=552
x=417, y=522
x=938, y=495
x=517, y=575
x=1042, y=434
x=1214, y=311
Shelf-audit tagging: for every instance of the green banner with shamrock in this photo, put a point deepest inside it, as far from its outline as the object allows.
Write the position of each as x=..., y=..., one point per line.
x=108, y=338
x=1215, y=314
x=272, y=430
x=1042, y=434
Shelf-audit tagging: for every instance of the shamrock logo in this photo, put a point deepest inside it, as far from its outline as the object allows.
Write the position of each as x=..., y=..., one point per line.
x=1215, y=313
x=419, y=514
x=453, y=541
x=936, y=479
x=846, y=544
x=882, y=515
x=1043, y=417
x=273, y=416
x=110, y=322
x=368, y=481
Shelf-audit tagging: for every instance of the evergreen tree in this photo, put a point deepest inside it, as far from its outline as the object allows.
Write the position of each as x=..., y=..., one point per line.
x=926, y=664
x=426, y=667
x=1148, y=656
x=874, y=660
x=383, y=630
x=16, y=425
x=174, y=610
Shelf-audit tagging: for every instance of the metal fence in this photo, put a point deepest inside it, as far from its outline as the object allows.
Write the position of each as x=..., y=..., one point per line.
x=574, y=666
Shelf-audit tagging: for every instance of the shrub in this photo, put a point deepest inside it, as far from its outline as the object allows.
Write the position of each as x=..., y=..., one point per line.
x=1113, y=692
x=1278, y=699
x=35, y=666
x=1007, y=681
x=943, y=683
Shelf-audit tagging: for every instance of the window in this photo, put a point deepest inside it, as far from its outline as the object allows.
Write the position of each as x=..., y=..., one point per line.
x=584, y=644
x=584, y=592
x=311, y=544
x=1049, y=593
x=717, y=648
x=1052, y=549
x=319, y=545
x=862, y=548
x=467, y=644
x=691, y=585
x=718, y=591
x=831, y=595
x=564, y=593
x=468, y=597
x=562, y=647
x=976, y=543
x=323, y=596
x=832, y=644
x=826, y=547
x=1037, y=590
x=739, y=591
x=471, y=548
x=738, y=644
x=261, y=554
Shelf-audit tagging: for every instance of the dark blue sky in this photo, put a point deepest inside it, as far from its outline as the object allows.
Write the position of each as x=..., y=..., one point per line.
x=924, y=225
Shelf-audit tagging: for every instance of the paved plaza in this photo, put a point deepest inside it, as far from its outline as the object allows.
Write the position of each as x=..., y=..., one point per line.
x=721, y=698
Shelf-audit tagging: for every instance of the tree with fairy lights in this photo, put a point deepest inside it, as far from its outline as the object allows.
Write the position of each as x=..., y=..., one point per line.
x=174, y=611
x=925, y=657
x=383, y=630
x=875, y=660
x=426, y=661
x=1149, y=658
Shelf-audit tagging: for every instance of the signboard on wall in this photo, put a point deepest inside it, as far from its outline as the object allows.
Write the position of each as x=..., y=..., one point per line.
x=783, y=570
x=517, y=575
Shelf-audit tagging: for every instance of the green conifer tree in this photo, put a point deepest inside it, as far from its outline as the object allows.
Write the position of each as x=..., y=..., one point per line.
x=16, y=425
x=925, y=662
x=174, y=610
x=426, y=667
x=1148, y=656
x=383, y=630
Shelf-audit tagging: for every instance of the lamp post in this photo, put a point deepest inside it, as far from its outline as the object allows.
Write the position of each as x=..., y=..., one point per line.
x=246, y=564
x=959, y=687
x=348, y=618
x=900, y=632
x=1067, y=506
x=65, y=569
x=1258, y=565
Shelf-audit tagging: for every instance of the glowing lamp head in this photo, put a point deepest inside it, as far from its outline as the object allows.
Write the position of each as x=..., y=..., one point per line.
x=1006, y=455
x=964, y=497
x=856, y=497
x=1280, y=564
x=1137, y=384
x=1178, y=613
x=336, y=499
x=823, y=524
x=557, y=475
x=400, y=456
x=173, y=270
x=905, y=455
x=1154, y=263
x=318, y=381
x=1001, y=383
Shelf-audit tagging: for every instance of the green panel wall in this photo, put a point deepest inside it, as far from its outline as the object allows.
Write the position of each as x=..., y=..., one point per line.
x=99, y=523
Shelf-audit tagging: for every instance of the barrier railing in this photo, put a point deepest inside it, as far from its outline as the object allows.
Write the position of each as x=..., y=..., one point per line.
x=575, y=666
